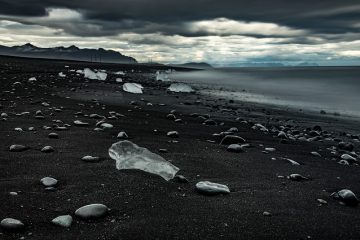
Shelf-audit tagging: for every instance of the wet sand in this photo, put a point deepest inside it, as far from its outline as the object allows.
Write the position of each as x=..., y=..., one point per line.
x=144, y=206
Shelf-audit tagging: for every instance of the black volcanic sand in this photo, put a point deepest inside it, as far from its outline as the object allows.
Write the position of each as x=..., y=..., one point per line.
x=144, y=206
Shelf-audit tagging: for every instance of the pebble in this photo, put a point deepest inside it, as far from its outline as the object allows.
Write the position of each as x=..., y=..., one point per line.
x=17, y=148
x=316, y=154
x=11, y=224
x=122, y=135
x=267, y=214
x=47, y=149
x=173, y=134
x=106, y=125
x=270, y=149
x=236, y=148
x=347, y=197
x=63, y=221
x=92, y=211
x=297, y=177
x=49, y=181
x=53, y=135
x=90, y=159
x=321, y=201
x=80, y=123
x=232, y=139
x=348, y=158
x=181, y=179
x=210, y=188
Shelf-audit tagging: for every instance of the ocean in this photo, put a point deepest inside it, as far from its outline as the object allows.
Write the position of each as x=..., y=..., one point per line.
x=335, y=90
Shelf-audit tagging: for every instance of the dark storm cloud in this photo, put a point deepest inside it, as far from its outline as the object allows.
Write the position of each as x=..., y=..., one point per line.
x=167, y=17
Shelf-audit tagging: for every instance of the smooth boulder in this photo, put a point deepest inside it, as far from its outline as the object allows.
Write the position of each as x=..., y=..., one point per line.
x=63, y=221
x=92, y=211
x=11, y=224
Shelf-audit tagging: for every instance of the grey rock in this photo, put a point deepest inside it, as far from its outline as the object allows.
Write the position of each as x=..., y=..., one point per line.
x=11, y=224
x=92, y=211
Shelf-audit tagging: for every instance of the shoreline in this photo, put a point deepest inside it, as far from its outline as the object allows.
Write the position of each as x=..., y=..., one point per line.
x=144, y=206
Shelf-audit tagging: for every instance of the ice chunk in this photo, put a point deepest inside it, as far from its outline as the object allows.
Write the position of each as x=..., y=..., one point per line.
x=180, y=87
x=32, y=79
x=133, y=88
x=119, y=73
x=61, y=74
x=100, y=75
x=130, y=156
x=162, y=76
x=119, y=80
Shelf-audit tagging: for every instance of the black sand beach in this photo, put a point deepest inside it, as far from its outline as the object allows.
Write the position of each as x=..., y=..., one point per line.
x=145, y=206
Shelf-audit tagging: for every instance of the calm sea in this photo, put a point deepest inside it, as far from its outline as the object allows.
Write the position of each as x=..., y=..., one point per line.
x=332, y=89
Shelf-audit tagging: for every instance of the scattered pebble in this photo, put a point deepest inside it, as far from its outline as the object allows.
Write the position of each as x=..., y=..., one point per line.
x=210, y=188
x=92, y=211
x=63, y=221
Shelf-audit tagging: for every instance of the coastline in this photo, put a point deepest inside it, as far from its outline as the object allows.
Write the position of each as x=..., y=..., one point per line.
x=144, y=206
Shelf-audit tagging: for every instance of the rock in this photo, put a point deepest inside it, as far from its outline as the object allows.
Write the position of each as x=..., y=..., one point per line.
x=297, y=177
x=321, y=201
x=282, y=135
x=12, y=225
x=343, y=162
x=47, y=149
x=130, y=156
x=232, y=139
x=53, y=135
x=171, y=116
x=96, y=116
x=236, y=148
x=18, y=148
x=90, y=159
x=346, y=146
x=348, y=158
x=317, y=128
x=49, y=181
x=233, y=130
x=92, y=211
x=291, y=161
x=316, y=154
x=210, y=188
x=63, y=221
x=347, y=197
x=122, y=135
x=173, y=134
x=267, y=214
x=181, y=179
x=80, y=123
x=210, y=122
x=106, y=125
x=270, y=149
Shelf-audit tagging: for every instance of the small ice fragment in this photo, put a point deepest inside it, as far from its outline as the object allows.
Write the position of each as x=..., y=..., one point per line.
x=133, y=88
x=180, y=87
x=119, y=73
x=130, y=156
x=119, y=80
x=88, y=73
x=162, y=76
x=61, y=74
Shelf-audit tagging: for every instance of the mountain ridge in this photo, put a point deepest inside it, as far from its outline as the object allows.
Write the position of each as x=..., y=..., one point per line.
x=67, y=53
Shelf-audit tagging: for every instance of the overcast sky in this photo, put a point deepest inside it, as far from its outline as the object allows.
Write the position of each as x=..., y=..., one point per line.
x=217, y=31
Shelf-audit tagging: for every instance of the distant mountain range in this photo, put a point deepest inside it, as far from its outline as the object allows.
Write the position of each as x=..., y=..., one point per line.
x=67, y=53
